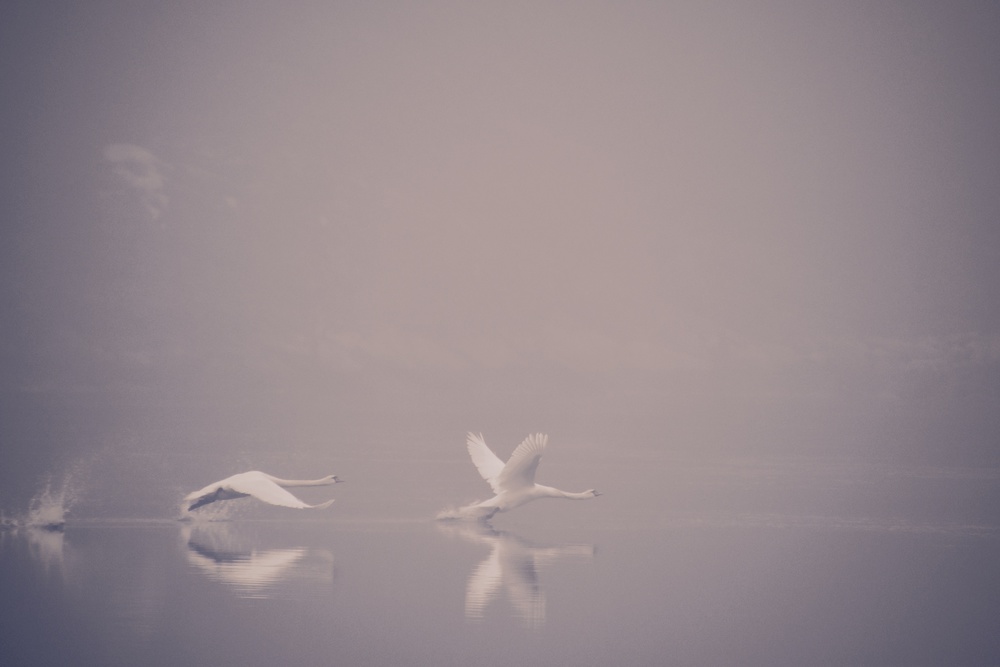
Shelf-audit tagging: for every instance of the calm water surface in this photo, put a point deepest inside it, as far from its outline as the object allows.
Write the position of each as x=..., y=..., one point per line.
x=693, y=589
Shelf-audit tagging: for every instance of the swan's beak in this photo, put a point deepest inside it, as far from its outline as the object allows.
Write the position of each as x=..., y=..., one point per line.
x=337, y=480
x=597, y=493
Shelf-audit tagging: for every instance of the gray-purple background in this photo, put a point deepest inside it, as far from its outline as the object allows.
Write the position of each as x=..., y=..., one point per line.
x=356, y=229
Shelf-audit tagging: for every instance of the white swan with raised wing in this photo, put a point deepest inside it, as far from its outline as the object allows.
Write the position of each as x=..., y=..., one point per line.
x=512, y=482
x=259, y=485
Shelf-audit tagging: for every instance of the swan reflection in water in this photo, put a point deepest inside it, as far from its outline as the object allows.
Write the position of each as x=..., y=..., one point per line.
x=513, y=565
x=225, y=555
x=45, y=546
x=41, y=529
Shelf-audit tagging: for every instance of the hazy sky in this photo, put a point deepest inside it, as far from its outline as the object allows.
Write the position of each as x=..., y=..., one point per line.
x=717, y=220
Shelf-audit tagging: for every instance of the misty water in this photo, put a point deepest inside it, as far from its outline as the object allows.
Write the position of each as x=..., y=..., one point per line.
x=682, y=561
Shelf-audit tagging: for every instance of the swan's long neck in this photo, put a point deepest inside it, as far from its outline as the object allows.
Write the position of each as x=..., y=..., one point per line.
x=325, y=481
x=552, y=492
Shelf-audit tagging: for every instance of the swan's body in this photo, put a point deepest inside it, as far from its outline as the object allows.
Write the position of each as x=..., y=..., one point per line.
x=259, y=485
x=512, y=482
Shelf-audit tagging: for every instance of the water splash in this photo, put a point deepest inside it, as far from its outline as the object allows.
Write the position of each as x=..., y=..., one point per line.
x=471, y=512
x=449, y=513
x=49, y=507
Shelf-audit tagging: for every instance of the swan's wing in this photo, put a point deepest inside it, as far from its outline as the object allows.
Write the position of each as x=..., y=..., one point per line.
x=201, y=493
x=263, y=489
x=486, y=462
x=520, y=469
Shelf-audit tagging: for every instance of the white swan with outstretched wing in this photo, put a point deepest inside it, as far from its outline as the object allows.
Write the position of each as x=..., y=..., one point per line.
x=259, y=485
x=513, y=483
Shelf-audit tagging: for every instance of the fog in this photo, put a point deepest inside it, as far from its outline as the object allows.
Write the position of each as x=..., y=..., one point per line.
x=351, y=232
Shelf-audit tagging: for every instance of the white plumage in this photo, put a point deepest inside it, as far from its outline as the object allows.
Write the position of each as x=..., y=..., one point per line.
x=512, y=482
x=259, y=485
